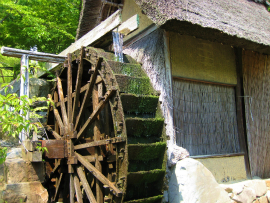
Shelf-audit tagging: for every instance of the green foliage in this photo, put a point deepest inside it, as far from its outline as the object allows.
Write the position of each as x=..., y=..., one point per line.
x=51, y=25
x=40, y=148
x=13, y=115
x=3, y=154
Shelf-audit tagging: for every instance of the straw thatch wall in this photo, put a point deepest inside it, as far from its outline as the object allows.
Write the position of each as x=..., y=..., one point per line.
x=151, y=52
x=256, y=76
x=205, y=118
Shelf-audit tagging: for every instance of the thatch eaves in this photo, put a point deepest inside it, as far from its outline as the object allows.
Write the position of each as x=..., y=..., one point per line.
x=240, y=23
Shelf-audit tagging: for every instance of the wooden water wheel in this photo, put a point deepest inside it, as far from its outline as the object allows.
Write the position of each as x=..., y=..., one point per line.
x=106, y=140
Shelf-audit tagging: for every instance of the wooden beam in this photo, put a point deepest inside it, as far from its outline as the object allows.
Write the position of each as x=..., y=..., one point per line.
x=78, y=86
x=62, y=103
x=86, y=186
x=128, y=26
x=88, y=92
x=37, y=56
x=100, y=31
x=96, y=112
x=106, y=26
x=97, y=174
x=57, y=116
x=71, y=188
x=217, y=155
x=69, y=90
x=57, y=186
x=83, y=88
x=99, y=142
x=55, y=134
x=78, y=189
x=240, y=109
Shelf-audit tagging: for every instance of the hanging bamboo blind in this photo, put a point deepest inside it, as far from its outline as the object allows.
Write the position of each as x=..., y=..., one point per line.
x=256, y=78
x=205, y=118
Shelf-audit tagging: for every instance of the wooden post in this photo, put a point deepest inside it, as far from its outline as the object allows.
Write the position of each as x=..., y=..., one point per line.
x=240, y=112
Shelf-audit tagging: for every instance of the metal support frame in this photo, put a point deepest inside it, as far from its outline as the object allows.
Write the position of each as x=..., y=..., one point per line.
x=24, y=88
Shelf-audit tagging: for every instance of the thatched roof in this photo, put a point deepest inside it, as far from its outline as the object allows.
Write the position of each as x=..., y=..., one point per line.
x=241, y=23
x=227, y=20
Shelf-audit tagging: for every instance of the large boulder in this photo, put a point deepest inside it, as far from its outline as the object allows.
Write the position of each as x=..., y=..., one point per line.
x=192, y=182
x=25, y=192
x=19, y=170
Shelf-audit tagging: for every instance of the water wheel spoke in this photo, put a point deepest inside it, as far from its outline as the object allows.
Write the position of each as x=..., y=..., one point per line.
x=69, y=89
x=98, y=174
x=78, y=86
x=78, y=189
x=62, y=102
x=99, y=142
x=95, y=113
x=57, y=164
x=86, y=186
x=57, y=186
x=88, y=91
x=55, y=134
x=57, y=115
x=71, y=188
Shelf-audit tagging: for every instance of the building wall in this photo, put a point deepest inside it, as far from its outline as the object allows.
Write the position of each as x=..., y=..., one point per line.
x=225, y=169
x=202, y=60
x=130, y=9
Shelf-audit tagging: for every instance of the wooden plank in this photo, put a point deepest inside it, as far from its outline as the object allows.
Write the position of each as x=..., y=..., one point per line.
x=57, y=186
x=55, y=134
x=78, y=86
x=78, y=189
x=62, y=103
x=56, y=148
x=96, y=112
x=86, y=186
x=71, y=188
x=37, y=56
x=240, y=113
x=104, y=27
x=99, y=142
x=217, y=155
x=129, y=25
x=88, y=91
x=98, y=175
x=69, y=89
